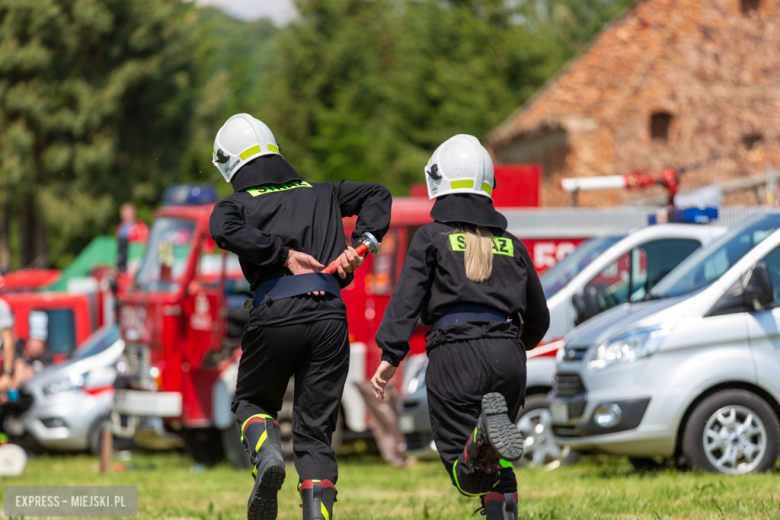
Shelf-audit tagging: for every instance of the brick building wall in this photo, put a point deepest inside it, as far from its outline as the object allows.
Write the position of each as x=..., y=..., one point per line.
x=672, y=82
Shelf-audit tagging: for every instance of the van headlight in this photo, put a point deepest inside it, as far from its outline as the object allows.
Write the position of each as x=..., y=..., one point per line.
x=74, y=382
x=414, y=373
x=628, y=347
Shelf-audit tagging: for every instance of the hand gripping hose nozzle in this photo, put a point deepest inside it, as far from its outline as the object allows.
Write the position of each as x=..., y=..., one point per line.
x=369, y=244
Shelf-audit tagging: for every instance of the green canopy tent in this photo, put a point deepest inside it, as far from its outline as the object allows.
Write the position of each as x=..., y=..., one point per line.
x=100, y=252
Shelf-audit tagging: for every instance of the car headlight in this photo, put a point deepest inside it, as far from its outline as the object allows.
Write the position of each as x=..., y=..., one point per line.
x=121, y=366
x=561, y=352
x=74, y=382
x=628, y=347
x=414, y=373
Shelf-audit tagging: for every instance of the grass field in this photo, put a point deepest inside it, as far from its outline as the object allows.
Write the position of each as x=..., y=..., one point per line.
x=599, y=487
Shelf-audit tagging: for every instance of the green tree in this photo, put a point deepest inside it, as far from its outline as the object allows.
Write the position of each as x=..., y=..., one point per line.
x=94, y=98
x=570, y=24
x=367, y=90
x=231, y=57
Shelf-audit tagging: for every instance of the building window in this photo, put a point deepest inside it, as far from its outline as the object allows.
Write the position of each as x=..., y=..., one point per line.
x=659, y=126
x=752, y=141
x=749, y=6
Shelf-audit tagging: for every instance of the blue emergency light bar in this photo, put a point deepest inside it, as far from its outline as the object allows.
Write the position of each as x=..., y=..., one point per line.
x=683, y=216
x=189, y=195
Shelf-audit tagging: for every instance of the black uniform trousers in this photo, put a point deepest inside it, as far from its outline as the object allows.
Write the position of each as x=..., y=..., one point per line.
x=317, y=353
x=459, y=373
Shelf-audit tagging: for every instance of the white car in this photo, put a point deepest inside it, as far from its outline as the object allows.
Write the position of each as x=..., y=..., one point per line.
x=691, y=373
x=66, y=405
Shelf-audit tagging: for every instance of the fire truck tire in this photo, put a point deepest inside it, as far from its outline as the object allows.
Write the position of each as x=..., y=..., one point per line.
x=204, y=445
x=235, y=453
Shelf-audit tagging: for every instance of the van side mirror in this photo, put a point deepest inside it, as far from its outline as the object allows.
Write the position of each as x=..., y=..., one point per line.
x=586, y=305
x=753, y=292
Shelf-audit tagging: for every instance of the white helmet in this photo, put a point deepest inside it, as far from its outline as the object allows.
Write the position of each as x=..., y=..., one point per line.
x=460, y=165
x=241, y=139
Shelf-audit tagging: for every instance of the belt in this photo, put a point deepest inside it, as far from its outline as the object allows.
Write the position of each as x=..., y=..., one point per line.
x=467, y=313
x=289, y=286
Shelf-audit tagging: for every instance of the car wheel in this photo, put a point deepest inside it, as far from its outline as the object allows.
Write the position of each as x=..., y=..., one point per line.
x=733, y=431
x=540, y=449
x=95, y=440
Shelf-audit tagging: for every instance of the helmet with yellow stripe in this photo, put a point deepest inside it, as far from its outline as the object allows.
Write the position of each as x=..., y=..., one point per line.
x=460, y=165
x=241, y=139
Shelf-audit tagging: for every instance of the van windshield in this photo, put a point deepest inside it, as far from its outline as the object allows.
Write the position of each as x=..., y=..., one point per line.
x=166, y=255
x=556, y=278
x=98, y=342
x=709, y=263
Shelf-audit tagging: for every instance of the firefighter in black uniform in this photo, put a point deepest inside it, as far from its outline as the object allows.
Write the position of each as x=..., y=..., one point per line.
x=282, y=228
x=476, y=285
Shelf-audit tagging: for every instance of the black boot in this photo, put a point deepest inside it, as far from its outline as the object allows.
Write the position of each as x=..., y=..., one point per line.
x=500, y=507
x=263, y=440
x=501, y=432
x=317, y=497
x=479, y=453
x=494, y=438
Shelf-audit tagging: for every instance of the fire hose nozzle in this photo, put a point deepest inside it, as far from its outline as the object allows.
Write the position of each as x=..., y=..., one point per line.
x=369, y=244
x=372, y=244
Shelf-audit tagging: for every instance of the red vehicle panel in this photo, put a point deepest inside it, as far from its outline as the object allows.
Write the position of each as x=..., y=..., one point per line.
x=71, y=319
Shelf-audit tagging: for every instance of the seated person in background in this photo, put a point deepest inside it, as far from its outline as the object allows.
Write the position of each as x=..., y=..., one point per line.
x=7, y=337
x=32, y=357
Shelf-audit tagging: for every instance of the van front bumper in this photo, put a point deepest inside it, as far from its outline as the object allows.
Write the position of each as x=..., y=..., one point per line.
x=648, y=426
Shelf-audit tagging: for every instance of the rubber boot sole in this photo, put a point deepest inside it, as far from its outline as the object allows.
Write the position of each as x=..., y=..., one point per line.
x=263, y=504
x=502, y=433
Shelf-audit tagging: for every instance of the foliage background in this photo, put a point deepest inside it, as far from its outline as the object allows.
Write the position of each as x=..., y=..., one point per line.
x=104, y=101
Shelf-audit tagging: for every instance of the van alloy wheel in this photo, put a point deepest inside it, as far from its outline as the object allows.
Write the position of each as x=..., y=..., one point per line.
x=735, y=440
x=540, y=448
x=732, y=431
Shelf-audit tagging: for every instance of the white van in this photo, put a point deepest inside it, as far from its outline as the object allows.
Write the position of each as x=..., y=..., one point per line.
x=596, y=276
x=693, y=372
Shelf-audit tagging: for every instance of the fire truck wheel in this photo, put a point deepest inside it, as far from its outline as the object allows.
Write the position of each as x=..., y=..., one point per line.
x=204, y=445
x=235, y=453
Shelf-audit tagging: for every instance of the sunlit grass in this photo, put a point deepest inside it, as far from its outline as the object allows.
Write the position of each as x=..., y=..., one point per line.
x=170, y=486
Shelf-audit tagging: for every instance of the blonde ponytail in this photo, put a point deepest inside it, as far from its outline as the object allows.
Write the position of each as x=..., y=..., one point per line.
x=478, y=257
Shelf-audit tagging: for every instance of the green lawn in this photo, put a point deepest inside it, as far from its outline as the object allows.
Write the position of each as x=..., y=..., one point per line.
x=598, y=487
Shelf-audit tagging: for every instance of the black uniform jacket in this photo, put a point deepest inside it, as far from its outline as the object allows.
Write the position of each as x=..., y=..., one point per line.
x=274, y=210
x=433, y=282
